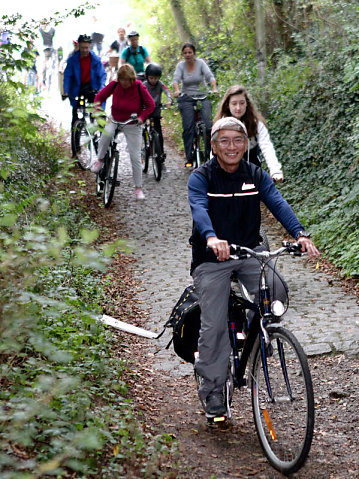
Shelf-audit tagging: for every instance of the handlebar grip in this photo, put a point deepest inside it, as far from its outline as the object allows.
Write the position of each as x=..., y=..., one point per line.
x=294, y=248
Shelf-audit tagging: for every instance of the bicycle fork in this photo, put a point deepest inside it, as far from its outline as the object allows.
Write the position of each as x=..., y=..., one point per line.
x=266, y=347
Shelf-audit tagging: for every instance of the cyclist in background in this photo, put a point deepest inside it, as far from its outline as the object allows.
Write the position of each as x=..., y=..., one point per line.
x=220, y=218
x=47, y=36
x=84, y=75
x=237, y=103
x=119, y=45
x=136, y=55
x=193, y=73
x=156, y=87
x=129, y=95
x=31, y=74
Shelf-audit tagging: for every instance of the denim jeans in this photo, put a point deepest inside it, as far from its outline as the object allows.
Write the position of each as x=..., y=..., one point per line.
x=185, y=105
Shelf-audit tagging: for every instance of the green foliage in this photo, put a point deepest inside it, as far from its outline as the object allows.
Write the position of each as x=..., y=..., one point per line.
x=316, y=132
x=63, y=403
x=310, y=98
x=64, y=409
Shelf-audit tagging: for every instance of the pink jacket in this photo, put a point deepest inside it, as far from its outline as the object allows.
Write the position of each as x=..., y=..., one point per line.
x=126, y=101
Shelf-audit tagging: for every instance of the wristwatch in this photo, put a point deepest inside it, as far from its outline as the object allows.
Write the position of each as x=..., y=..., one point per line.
x=303, y=233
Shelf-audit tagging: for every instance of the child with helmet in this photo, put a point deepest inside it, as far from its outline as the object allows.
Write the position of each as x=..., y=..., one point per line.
x=156, y=87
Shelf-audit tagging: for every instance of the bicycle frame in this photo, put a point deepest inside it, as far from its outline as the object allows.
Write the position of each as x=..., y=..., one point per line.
x=262, y=317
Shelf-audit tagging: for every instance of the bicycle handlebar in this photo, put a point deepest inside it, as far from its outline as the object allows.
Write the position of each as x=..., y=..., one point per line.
x=242, y=252
x=133, y=118
x=194, y=97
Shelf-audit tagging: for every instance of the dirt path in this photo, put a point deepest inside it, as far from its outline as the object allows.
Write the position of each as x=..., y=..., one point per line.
x=163, y=387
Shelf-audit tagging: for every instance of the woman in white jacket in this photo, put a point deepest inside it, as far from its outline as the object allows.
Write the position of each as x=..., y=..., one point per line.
x=237, y=102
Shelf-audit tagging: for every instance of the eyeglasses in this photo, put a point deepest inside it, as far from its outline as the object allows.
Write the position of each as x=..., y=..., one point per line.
x=225, y=142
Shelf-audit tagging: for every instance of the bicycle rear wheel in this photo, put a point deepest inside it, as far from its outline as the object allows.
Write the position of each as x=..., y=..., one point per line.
x=156, y=155
x=110, y=178
x=201, y=150
x=145, y=150
x=285, y=421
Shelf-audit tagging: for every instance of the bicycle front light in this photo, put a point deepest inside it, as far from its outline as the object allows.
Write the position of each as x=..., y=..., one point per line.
x=277, y=308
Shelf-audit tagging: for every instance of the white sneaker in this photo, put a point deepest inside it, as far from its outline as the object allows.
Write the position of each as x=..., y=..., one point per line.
x=139, y=194
x=96, y=166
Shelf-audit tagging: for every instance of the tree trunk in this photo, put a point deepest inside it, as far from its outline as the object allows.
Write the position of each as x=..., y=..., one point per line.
x=181, y=22
x=260, y=37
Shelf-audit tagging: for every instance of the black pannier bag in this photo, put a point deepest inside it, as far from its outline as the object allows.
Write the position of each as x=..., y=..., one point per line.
x=186, y=323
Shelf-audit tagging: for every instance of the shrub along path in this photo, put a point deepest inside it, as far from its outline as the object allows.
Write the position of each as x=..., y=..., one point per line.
x=145, y=286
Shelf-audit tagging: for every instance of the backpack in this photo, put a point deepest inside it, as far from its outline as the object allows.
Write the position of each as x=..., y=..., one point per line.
x=186, y=323
x=131, y=53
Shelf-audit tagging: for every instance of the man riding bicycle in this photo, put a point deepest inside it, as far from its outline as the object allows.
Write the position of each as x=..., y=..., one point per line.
x=136, y=55
x=224, y=195
x=84, y=75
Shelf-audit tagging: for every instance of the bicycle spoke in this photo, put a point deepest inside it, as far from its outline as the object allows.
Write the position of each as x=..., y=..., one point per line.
x=284, y=415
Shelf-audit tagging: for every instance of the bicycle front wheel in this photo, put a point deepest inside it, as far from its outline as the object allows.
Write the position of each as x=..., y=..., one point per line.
x=82, y=145
x=110, y=178
x=156, y=156
x=145, y=150
x=282, y=400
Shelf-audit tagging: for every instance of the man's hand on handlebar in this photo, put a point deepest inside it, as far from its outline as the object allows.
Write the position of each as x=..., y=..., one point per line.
x=308, y=246
x=219, y=247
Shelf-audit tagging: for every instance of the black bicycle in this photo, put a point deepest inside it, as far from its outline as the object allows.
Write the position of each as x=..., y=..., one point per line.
x=106, y=178
x=151, y=149
x=200, y=147
x=278, y=371
x=84, y=136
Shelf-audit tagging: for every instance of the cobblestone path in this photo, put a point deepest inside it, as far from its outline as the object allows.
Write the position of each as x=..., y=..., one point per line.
x=321, y=315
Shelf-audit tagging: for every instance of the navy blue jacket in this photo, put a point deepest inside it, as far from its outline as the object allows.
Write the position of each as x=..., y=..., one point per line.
x=227, y=205
x=72, y=76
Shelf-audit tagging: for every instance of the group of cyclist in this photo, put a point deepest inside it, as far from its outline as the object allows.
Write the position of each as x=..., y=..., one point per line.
x=85, y=75
x=224, y=193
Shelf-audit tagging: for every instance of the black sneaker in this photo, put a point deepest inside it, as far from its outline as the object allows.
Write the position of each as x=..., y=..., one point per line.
x=215, y=404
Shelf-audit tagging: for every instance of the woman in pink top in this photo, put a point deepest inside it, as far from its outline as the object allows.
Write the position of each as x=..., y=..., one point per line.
x=128, y=96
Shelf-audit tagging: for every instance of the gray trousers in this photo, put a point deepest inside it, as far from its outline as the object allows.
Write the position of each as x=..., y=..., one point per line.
x=133, y=134
x=213, y=281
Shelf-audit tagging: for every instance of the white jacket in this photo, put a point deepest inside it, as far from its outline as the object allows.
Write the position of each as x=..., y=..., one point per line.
x=266, y=146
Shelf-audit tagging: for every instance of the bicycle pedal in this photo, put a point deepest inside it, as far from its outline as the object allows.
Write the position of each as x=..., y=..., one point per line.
x=117, y=183
x=216, y=419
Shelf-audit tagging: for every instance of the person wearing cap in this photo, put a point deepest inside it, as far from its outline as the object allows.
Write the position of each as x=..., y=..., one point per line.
x=238, y=103
x=225, y=195
x=84, y=75
x=135, y=54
